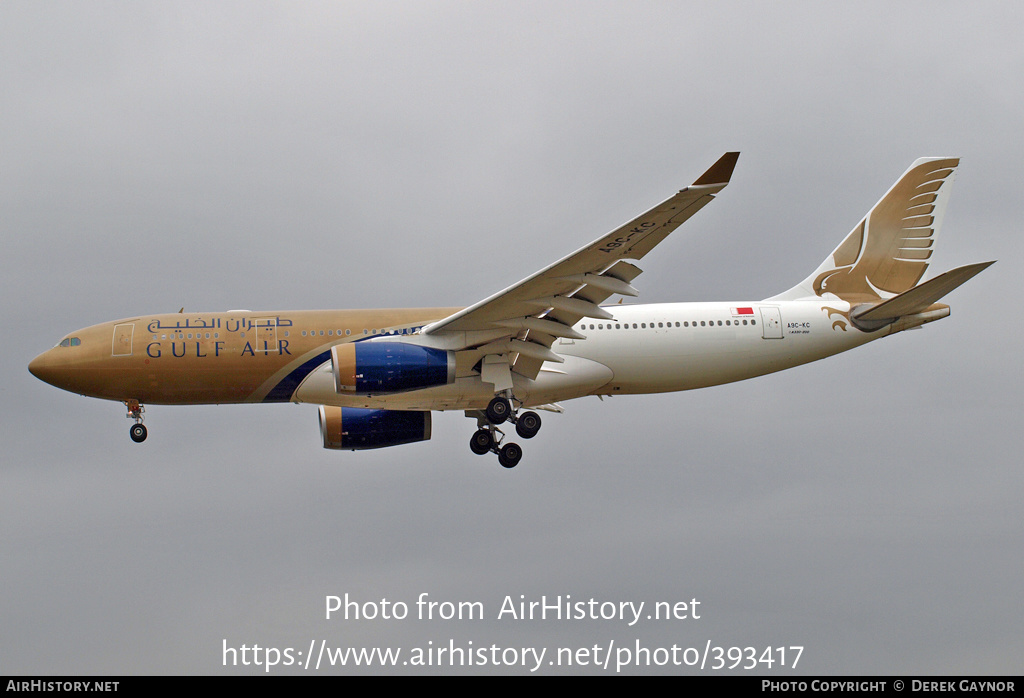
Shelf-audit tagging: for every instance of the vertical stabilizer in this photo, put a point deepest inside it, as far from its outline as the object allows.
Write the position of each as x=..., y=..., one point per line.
x=887, y=253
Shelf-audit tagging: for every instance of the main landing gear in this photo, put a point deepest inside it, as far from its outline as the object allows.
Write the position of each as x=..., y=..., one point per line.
x=138, y=431
x=488, y=436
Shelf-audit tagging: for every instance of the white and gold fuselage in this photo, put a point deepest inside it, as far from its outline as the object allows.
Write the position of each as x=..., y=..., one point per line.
x=246, y=357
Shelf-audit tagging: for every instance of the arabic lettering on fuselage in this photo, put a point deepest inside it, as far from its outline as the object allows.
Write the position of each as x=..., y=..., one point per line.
x=215, y=323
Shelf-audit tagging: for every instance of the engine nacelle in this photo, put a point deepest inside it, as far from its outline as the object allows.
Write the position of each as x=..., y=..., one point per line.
x=357, y=428
x=389, y=367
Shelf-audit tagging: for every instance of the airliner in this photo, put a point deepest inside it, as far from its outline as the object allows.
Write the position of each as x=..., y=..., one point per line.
x=554, y=336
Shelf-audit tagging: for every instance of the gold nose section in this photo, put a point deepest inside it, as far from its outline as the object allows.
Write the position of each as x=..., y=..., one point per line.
x=42, y=367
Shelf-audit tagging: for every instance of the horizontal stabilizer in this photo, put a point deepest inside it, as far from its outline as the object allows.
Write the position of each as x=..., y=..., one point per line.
x=919, y=298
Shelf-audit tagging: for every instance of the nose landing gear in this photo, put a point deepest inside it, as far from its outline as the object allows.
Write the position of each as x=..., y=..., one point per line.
x=138, y=431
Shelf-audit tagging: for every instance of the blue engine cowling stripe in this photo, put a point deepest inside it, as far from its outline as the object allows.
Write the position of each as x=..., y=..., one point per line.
x=394, y=367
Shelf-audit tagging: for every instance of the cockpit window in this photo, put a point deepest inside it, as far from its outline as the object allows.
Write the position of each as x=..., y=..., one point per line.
x=70, y=342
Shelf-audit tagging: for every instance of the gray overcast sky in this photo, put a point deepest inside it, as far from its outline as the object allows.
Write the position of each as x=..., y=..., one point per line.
x=330, y=155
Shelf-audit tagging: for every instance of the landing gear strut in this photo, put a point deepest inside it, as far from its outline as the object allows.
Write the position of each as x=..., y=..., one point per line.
x=138, y=431
x=488, y=437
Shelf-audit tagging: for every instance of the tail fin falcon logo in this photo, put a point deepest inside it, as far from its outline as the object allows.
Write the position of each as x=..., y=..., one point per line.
x=887, y=253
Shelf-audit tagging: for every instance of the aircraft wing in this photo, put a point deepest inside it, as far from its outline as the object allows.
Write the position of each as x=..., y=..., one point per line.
x=547, y=304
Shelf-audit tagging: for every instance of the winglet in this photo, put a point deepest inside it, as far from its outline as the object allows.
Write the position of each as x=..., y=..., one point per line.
x=720, y=172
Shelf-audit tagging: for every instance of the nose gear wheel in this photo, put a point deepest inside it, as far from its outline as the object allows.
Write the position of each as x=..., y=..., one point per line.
x=138, y=431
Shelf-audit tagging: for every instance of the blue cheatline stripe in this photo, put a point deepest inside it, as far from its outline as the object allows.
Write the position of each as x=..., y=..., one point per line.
x=282, y=392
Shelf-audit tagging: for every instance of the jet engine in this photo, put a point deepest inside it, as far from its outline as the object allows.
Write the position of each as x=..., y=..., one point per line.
x=389, y=367
x=356, y=428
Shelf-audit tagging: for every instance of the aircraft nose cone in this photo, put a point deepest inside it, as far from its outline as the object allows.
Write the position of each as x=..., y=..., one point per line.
x=42, y=367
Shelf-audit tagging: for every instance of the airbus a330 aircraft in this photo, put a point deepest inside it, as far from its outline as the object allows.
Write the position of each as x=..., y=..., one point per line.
x=377, y=374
